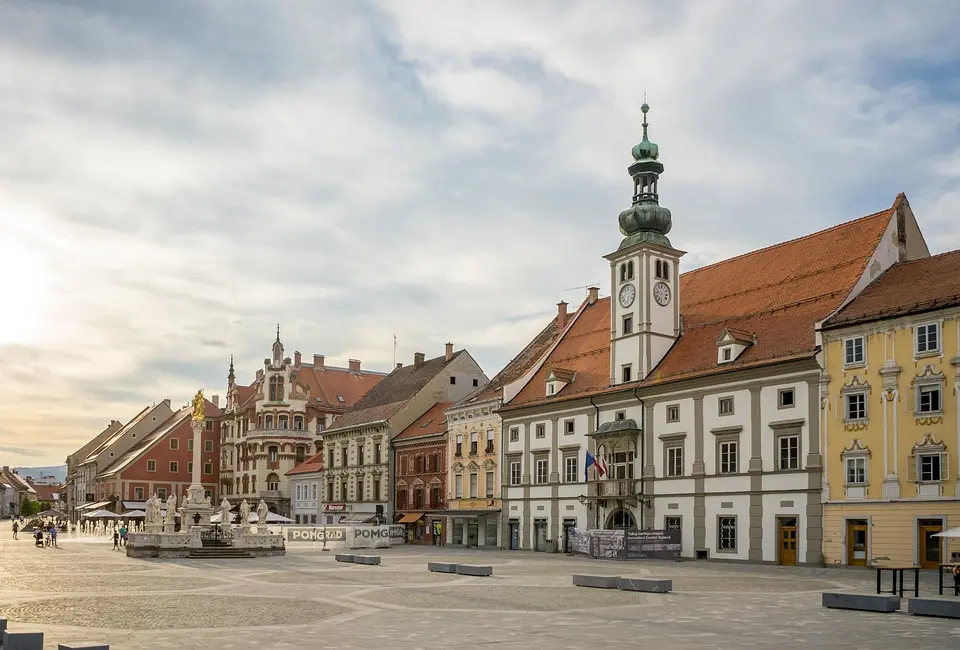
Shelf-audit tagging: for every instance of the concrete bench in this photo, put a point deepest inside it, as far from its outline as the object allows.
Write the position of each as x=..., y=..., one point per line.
x=940, y=607
x=441, y=567
x=22, y=640
x=3, y=627
x=340, y=557
x=82, y=646
x=646, y=585
x=596, y=582
x=471, y=570
x=862, y=602
x=371, y=560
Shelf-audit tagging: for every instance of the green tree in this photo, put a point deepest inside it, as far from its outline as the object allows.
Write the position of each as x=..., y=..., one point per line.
x=28, y=507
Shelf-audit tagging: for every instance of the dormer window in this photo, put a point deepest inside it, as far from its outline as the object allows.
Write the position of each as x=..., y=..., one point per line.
x=557, y=379
x=732, y=343
x=662, y=270
x=626, y=271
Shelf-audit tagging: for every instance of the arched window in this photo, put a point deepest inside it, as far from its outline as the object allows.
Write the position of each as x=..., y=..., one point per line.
x=273, y=453
x=623, y=273
x=659, y=269
x=283, y=422
x=666, y=270
x=298, y=422
x=268, y=421
x=630, y=270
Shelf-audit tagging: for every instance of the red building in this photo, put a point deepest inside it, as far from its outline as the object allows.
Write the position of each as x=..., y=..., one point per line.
x=421, y=473
x=162, y=463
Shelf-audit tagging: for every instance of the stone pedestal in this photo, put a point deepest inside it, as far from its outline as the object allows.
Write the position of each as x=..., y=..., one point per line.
x=152, y=528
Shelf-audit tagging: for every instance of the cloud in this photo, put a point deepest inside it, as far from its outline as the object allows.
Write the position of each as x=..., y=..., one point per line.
x=178, y=177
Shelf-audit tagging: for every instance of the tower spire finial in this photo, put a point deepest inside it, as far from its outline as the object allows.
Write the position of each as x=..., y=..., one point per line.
x=646, y=220
x=278, y=332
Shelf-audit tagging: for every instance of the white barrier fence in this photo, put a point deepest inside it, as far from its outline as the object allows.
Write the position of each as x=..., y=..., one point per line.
x=345, y=537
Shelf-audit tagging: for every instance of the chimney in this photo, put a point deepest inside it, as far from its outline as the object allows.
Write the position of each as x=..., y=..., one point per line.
x=297, y=357
x=354, y=365
x=418, y=358
x=318, y=361
x=561, y=315
x=399, y=364
x=449, y=352
x=216, y=400
x=167, y=402
x=593, y=294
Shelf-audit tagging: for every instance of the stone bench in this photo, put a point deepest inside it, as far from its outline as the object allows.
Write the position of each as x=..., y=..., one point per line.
x=3, y=627
x=22, y=640
x=862, y=602
x=441, y=567
x=371, y=560
x=647, y=585
x=596, y=582
x=82, y=646
x=940, y=607
x=340, y=557
x=472, y=570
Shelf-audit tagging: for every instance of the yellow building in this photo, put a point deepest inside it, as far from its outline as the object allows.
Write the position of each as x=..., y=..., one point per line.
x=890, y=418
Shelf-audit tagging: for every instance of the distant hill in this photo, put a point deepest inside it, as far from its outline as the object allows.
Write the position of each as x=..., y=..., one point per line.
x=60, y=471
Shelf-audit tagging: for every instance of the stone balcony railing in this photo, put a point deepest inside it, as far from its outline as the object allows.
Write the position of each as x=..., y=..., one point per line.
x=616, y=488
x=274, y=432
x=271, y=494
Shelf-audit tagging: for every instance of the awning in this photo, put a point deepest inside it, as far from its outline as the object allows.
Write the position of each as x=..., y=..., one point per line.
x=410, y=517
x=953, y=532
x=135, y=505
x=101, y=514
x=94, y=506
x=466, y=513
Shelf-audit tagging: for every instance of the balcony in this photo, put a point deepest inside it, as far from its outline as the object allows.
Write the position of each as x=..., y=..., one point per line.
x=271, y=494
x=275, y=432
x=617, y=489
x=273, y=464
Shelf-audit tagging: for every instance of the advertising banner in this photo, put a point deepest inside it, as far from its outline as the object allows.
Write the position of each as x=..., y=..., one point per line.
x=338, y=537
x=659, y=544
x=627, y=544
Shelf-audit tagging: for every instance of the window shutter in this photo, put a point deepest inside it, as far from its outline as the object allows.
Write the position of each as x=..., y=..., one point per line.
x=945, y=466
x=911, y=469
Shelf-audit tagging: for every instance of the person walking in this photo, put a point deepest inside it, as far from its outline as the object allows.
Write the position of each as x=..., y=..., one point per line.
x=123, y=534
x=116, y=540
x=53, y=536
x=16, y=529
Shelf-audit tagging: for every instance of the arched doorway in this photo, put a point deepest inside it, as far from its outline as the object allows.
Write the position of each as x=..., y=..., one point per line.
x=621, y=519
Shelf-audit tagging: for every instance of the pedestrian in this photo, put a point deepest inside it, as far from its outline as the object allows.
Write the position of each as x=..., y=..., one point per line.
x=16, y=529
x=53, y=535
x=116, y=540
x=123, y=534
x=39, y=537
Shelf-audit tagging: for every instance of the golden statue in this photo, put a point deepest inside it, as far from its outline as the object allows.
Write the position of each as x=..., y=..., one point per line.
x=198, y=415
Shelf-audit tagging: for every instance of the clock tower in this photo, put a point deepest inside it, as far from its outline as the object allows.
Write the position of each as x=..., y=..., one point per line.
x=644, y=274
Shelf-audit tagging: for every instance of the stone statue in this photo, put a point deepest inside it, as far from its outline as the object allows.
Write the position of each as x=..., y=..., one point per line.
x=170, y=520
x=186, y=498
x=225, y=512
x=153, y=510
x=244, y=514
x=198, y=415
x=262, y=511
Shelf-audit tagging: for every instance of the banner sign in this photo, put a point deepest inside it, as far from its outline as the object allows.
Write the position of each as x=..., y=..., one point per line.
x=626, y=544
x=351, y=536
x=659, y=544
x=327, y=533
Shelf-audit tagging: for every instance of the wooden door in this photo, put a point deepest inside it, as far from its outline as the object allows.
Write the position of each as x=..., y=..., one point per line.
x=856, y=543
x=788, y=541
x=929, y=545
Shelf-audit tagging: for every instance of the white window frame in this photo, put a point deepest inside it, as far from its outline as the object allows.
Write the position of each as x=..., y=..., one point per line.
x=779, y=449
x=926, y=329
x=516, y=475
x=489, y=484
x=458, y=486
x=850, y=357
x=474, y=484
x=859, y=465
x=570, y=470
x=674, y=461
x=921, y=389
x=542, y=471
x=941, y=474
x=673, y=413
x=540, y=431
x=514, y=434
x=726, y=399
x=724, y=466
x=569, y=427
x=848, y=414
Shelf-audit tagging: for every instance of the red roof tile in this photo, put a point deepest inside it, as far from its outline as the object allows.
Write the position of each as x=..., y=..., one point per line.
x=312, y=464
x=776, y=294
x=906, y=288
x=336, y=388
x=430, y=423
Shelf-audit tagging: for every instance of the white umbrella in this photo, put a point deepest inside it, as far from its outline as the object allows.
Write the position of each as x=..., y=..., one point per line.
x=272, y=518
x=134, y=514
x=100, y=514
x=953, y=532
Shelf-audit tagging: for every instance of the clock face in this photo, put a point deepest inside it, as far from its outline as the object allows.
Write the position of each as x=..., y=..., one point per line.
x=661, y=293
x=627, y=293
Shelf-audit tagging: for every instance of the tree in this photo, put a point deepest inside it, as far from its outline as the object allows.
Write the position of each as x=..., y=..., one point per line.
x=28, y=507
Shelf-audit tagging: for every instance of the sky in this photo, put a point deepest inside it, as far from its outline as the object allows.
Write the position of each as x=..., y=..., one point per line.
x=177, y=178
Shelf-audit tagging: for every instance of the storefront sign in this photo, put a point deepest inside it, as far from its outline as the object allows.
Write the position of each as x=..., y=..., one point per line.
x=660, y=544
x=335, y=507
x=327, y=533
x=468, y=504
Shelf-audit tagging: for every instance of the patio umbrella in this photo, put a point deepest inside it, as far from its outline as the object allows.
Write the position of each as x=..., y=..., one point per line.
x=272, y=518
x=953, y=532
x=100, y=514
x=134, y=514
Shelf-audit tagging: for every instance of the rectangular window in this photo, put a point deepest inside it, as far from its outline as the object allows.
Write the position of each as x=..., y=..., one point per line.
x=189, y=444
x=856, y=470
x=208, y=468
x=489, y=485
x=540, y=431
x=174, y=443
x=162, y=494
x=208, y=425
x=929, y=467
x=569, y=427
x=190, y=468
x=788, y=452
x=514, y=434
x=620, y=415
x=208, y=446
x=728, y=457
x=474, y=436
x=628, y=324
x=674, y=461
x=458, y=486
x=727, y=354
x=928, y=398
x=672, y=523
x=151, y=466
x=376, y=453
x=726, y=406
x=853, y=351
x=473, y=485
x=627, y=374
x=459, y=451
x=359, y=490
x=174, y=467
x=375, y=492
x=515, y=472
x=453, y=380
x=138, y=493
x=856, y=406
x=928, y=338
x=673, y=413
x=570, y=474
x=298, y=495
x=785, y=398
x=359, y=453
x=727, y=533
x=489, y=448
x=542, y=471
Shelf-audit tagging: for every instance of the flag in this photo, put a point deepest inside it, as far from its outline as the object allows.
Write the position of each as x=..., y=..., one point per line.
x=590, y=461
x=601, y=466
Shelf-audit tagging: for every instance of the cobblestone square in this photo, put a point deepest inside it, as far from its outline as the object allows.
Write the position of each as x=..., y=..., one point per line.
x=84, y=591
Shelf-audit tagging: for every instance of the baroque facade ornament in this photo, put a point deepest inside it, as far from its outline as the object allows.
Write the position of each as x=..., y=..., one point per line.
x=856, y=447
x=928, y=376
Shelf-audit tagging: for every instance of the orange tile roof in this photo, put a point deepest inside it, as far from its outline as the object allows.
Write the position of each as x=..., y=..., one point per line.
x=336, y=388
x=430, y=423
x=905, y=288
x=517, y=366
x=777, y=294
x=312, y=464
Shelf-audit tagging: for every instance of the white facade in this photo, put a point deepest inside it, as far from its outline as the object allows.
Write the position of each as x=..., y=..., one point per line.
x=306, y=498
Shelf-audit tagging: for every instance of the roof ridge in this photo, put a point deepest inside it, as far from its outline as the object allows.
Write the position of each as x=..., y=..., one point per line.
x=796, y=239
x=762, y=312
